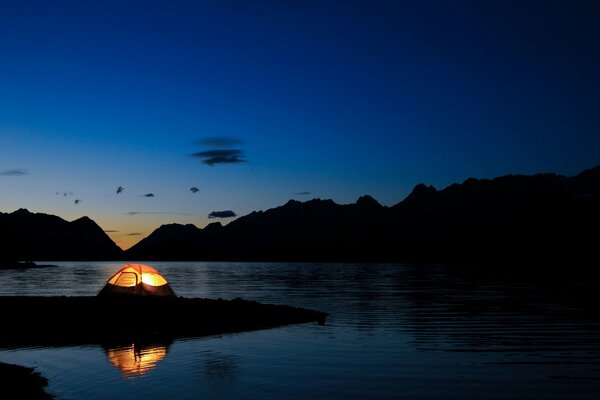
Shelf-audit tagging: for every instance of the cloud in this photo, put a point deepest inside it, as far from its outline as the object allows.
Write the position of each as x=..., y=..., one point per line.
x=120, y=189
x=222, y=153
x=302, y=193
x=222, y=214
x=212, y=157
x=76, y=201
x=14, y=172
x=134, y=234
x=64, y=194
x=219, y=141
x=148, y=195
x=194, y=189
x=158, y=213
x=110, y=231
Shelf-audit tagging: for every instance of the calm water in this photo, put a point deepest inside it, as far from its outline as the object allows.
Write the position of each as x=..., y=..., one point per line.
x=395, y=331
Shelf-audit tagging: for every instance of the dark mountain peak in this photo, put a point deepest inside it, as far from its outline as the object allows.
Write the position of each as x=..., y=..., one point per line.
x=176, y=228
x=595, y=171
x=85, y=220
x=31, y=236
x=420, y=193
x=548, y=175
x=470, y=181
x=88, y=225
x=295, y=206
x=173, y=225
x=166, y=235
x=588, y=181
x=422, y=188
x=22, y=211
x=366, y=201
x=320, y=202
x=24, y=216
x=213, y=227
x=292, y=203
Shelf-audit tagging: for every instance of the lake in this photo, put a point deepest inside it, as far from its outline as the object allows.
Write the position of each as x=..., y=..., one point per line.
x=394, y=332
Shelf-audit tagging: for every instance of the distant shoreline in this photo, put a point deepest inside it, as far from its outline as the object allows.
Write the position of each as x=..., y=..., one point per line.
x=22, y=265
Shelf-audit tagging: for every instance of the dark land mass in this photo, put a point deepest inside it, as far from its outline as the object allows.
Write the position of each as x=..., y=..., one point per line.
x=58, y=321
x=22, y=383
x=28, y=236
x=544, y=218
x=534, y=220
x=10, y=264
x=22, y=265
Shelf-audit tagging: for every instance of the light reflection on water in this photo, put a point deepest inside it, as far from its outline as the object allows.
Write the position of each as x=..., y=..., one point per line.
x=135, y=359
x=395, y=331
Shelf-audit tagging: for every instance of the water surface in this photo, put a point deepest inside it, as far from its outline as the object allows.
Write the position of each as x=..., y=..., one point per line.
x=395, y=331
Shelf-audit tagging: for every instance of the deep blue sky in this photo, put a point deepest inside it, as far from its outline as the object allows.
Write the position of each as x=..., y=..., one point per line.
x=334, y=98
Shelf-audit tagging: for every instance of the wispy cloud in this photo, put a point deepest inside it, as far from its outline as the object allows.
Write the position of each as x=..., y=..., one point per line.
x=120, y=189
x=222, y=153
x=110, y=231
x=303, y=193
x=194, y=189
x=64, y=194
x=148, y=195
x=14, y=172
x=158, y=213
x=219, y=141
x=222, y=214
x=134, y=234
x=229, y=156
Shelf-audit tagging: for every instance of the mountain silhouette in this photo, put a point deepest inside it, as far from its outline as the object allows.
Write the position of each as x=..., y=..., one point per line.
x=533, y=220
x=529, y=219
x=294, y=231
x=544, y=217
x=35, y=236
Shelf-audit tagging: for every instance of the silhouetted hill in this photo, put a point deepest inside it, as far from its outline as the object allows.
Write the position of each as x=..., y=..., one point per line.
x=530, y=219
x=541, y=217
x=293, y=231
x=28, y=236
x=169, y=239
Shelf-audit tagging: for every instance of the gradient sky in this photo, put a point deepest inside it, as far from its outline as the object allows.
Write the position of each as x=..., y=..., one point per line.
x=337, y=98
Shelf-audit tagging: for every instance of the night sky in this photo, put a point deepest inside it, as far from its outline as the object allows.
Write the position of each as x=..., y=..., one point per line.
x=254, y=103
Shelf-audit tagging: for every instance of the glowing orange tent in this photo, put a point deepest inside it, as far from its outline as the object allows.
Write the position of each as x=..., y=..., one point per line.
x=137, y=279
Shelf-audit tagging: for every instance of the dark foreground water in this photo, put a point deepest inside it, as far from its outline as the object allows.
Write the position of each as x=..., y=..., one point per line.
x=395, y=331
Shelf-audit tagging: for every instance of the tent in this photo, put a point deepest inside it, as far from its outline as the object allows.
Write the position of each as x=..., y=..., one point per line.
x=139, y=280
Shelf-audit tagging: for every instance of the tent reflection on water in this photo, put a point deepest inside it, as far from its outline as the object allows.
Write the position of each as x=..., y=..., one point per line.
x=136, y=360
x=139, y=280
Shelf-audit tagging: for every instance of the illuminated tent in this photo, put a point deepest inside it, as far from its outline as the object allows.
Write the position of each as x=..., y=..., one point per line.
x=139, y=280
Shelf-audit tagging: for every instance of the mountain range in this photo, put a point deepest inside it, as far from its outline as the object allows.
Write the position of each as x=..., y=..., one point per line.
x=542, y=218
x=28, y=236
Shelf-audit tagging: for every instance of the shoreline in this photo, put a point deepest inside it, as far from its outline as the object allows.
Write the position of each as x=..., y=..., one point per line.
x=62, y=320
x=24, y=382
